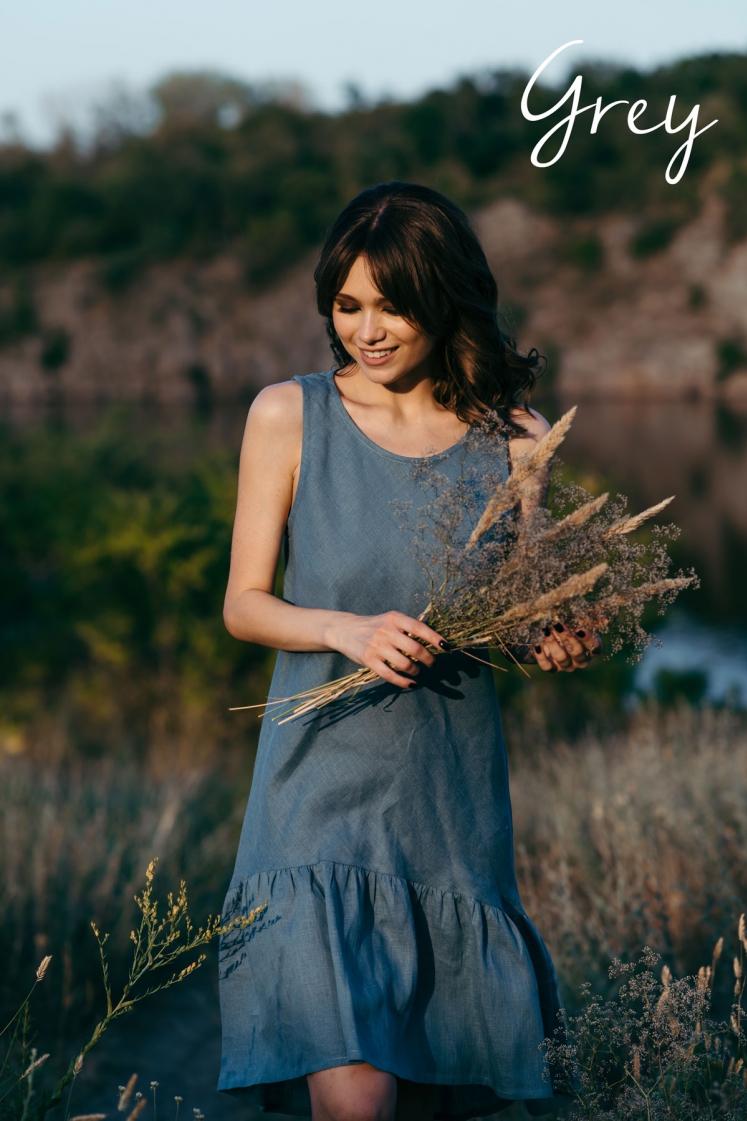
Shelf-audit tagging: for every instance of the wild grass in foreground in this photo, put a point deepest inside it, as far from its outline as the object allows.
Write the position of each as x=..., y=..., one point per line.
x=160, y=941
x=655, y=1050
x=624, y=840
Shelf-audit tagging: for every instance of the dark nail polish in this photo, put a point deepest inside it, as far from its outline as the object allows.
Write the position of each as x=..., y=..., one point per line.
x=444, y=645
x=546, y=631
x=538, y=649
x=581, y=634
x=559, y=627
x=413, y=685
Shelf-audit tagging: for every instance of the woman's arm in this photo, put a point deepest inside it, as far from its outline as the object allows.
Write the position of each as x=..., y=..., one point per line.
x=560, y=648
x=268, y=477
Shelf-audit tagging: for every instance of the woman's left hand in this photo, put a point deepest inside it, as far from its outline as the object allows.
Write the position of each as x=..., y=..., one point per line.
x=561, y=649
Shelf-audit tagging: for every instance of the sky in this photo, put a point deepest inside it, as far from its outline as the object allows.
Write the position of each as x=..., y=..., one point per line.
x=59, y=56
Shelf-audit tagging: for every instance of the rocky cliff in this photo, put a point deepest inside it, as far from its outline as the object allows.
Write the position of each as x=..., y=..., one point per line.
x=667, y=323
x=665, y=319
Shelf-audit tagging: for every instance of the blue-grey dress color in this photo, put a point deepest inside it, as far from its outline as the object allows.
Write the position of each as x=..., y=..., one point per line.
x=379, y=832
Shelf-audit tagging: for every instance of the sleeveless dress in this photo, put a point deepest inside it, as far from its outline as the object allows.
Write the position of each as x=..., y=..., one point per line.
x=379, y=831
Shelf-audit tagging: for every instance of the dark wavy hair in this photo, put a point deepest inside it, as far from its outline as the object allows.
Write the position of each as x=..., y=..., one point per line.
x=424, y=256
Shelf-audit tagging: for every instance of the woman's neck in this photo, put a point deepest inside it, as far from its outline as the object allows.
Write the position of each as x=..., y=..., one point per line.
x=402, y=417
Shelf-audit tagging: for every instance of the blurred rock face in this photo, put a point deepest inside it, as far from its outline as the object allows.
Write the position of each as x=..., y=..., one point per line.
x=180, y=332
x=622, y=310
x=627, y=311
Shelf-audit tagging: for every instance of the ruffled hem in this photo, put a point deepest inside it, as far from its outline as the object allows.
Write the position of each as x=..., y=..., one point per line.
x=348, y=965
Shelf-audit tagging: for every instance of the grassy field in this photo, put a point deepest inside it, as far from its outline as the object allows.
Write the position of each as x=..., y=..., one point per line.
x=625, y=841
x=634, y=839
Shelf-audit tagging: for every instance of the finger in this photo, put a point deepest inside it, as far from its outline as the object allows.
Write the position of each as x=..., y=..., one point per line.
x=557, y=653
x=389, y=643
x=589, y=641
x=413, y=649
x=580, y=658
x=543, y=661
x=568, y=640
x=399, y=661
x=592, y=642
x=420, y=629
x=575, y=651
x=380, y=666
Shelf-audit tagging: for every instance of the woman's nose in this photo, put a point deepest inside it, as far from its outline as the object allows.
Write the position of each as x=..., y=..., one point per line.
x=371, y=328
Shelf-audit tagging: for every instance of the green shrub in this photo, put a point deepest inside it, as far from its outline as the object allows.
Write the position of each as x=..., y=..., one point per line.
x=653, y=238
x=18, y=314
x=672, y=686
x=55, y=349
x=735, y=192
x=587, y=253
x=114, y=553
x=731, y=357
x=697, y=297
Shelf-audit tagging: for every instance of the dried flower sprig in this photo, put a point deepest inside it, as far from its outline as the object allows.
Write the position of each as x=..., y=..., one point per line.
x=159, y=941
x=655, y=1049
x=523, y=565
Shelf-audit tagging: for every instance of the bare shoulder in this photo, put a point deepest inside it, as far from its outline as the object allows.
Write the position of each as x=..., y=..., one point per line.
x=535, y=426
x=277, y=406
x=274, y=428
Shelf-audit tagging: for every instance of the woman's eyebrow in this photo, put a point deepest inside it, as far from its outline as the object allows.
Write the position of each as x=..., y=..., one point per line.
x=353, y=300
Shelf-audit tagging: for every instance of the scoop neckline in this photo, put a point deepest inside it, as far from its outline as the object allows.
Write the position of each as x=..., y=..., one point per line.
x=377, y=447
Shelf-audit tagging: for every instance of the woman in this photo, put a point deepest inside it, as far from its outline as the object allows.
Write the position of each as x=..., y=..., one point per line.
x=393, y=972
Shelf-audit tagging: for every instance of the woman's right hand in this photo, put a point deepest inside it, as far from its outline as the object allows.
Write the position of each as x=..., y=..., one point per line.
x=383, y=643
x=270, y=464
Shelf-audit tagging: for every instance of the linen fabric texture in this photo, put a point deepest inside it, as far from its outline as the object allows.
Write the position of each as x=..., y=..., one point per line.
x=379, y=829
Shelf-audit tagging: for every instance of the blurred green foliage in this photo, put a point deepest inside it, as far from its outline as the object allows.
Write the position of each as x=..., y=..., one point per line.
x=673, y=686
x=17, y=312
x=587, y=253
x=731, y=357
x=55, y=348
x=653, y=238
x=564, y=705
x=114, y=554
x=114, y=551
x=275, y=179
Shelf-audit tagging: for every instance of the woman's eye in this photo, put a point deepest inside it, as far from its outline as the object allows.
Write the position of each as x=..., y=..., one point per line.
x=346, y=309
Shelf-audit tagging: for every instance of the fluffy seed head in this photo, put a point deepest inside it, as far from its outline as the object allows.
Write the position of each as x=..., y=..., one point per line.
x=34, y=1064
x=43, y=967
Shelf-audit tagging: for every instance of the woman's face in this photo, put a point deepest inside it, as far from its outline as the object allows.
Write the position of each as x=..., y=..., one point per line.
x=383, y=344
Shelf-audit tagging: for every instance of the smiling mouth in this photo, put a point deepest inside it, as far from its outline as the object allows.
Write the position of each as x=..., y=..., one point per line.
x=378, y=353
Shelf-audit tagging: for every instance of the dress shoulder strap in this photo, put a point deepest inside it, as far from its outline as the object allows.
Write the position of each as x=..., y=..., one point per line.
x=317, y=403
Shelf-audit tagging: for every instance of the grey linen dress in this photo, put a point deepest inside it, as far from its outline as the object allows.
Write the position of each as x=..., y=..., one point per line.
x=379, y=831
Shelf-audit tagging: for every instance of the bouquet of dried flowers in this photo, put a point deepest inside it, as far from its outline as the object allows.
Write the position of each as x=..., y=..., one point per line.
x=525, y=564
